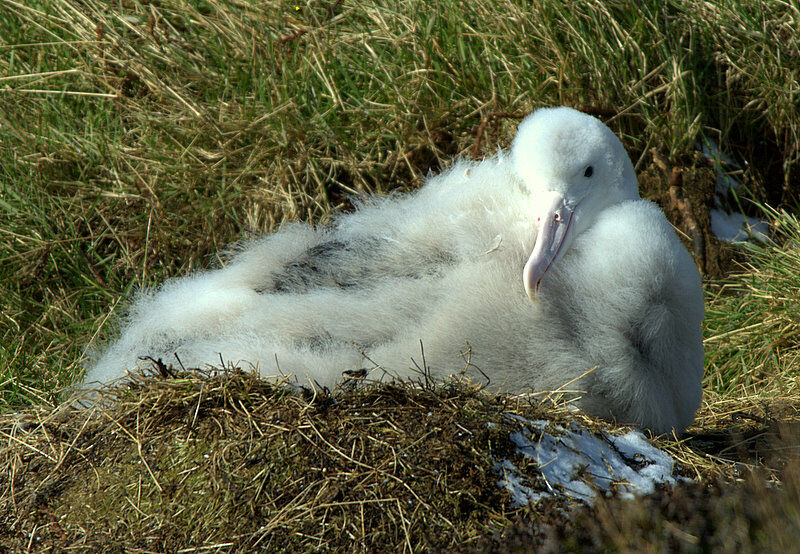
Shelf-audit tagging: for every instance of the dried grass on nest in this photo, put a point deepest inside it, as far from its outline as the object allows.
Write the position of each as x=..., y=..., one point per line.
x=234, y=462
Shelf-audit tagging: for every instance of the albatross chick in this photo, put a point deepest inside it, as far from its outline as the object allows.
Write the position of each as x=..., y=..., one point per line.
x=543, y=259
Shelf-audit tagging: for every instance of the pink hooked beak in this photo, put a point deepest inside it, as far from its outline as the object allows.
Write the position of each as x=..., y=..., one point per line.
x=554, y=227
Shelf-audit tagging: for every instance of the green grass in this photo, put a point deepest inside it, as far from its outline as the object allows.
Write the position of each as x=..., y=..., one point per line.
x=753, y=319
x=138, y=139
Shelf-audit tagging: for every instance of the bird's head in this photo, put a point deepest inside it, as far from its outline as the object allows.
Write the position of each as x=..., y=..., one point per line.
x=574, y=167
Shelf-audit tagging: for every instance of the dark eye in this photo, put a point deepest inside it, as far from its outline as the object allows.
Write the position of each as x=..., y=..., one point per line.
x=588, y=172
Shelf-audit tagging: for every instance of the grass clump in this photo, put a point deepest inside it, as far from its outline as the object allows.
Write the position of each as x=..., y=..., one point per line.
x=753, y=319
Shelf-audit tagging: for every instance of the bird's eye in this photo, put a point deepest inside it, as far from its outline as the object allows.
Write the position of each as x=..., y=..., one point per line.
x=588, y=172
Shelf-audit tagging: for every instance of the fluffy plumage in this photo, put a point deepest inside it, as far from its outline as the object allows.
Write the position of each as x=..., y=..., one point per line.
x=609, y=286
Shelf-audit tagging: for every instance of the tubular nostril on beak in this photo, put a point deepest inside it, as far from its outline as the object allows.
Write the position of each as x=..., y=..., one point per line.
x=552, y=235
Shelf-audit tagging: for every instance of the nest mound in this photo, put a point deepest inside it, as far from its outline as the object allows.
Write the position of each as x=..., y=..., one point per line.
x=232, y=462
x=236, y=461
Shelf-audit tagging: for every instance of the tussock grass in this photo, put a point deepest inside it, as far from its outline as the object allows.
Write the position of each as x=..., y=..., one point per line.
x=137, y=140
x=753, y=319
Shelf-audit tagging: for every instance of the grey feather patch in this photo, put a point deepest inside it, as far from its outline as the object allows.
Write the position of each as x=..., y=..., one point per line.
x=355, y=264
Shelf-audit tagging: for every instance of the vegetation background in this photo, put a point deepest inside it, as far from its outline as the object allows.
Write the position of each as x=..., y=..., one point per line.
x=138, y=139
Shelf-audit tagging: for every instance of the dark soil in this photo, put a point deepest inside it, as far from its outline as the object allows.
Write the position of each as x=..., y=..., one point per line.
x=717, y=516
x=698, y=187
